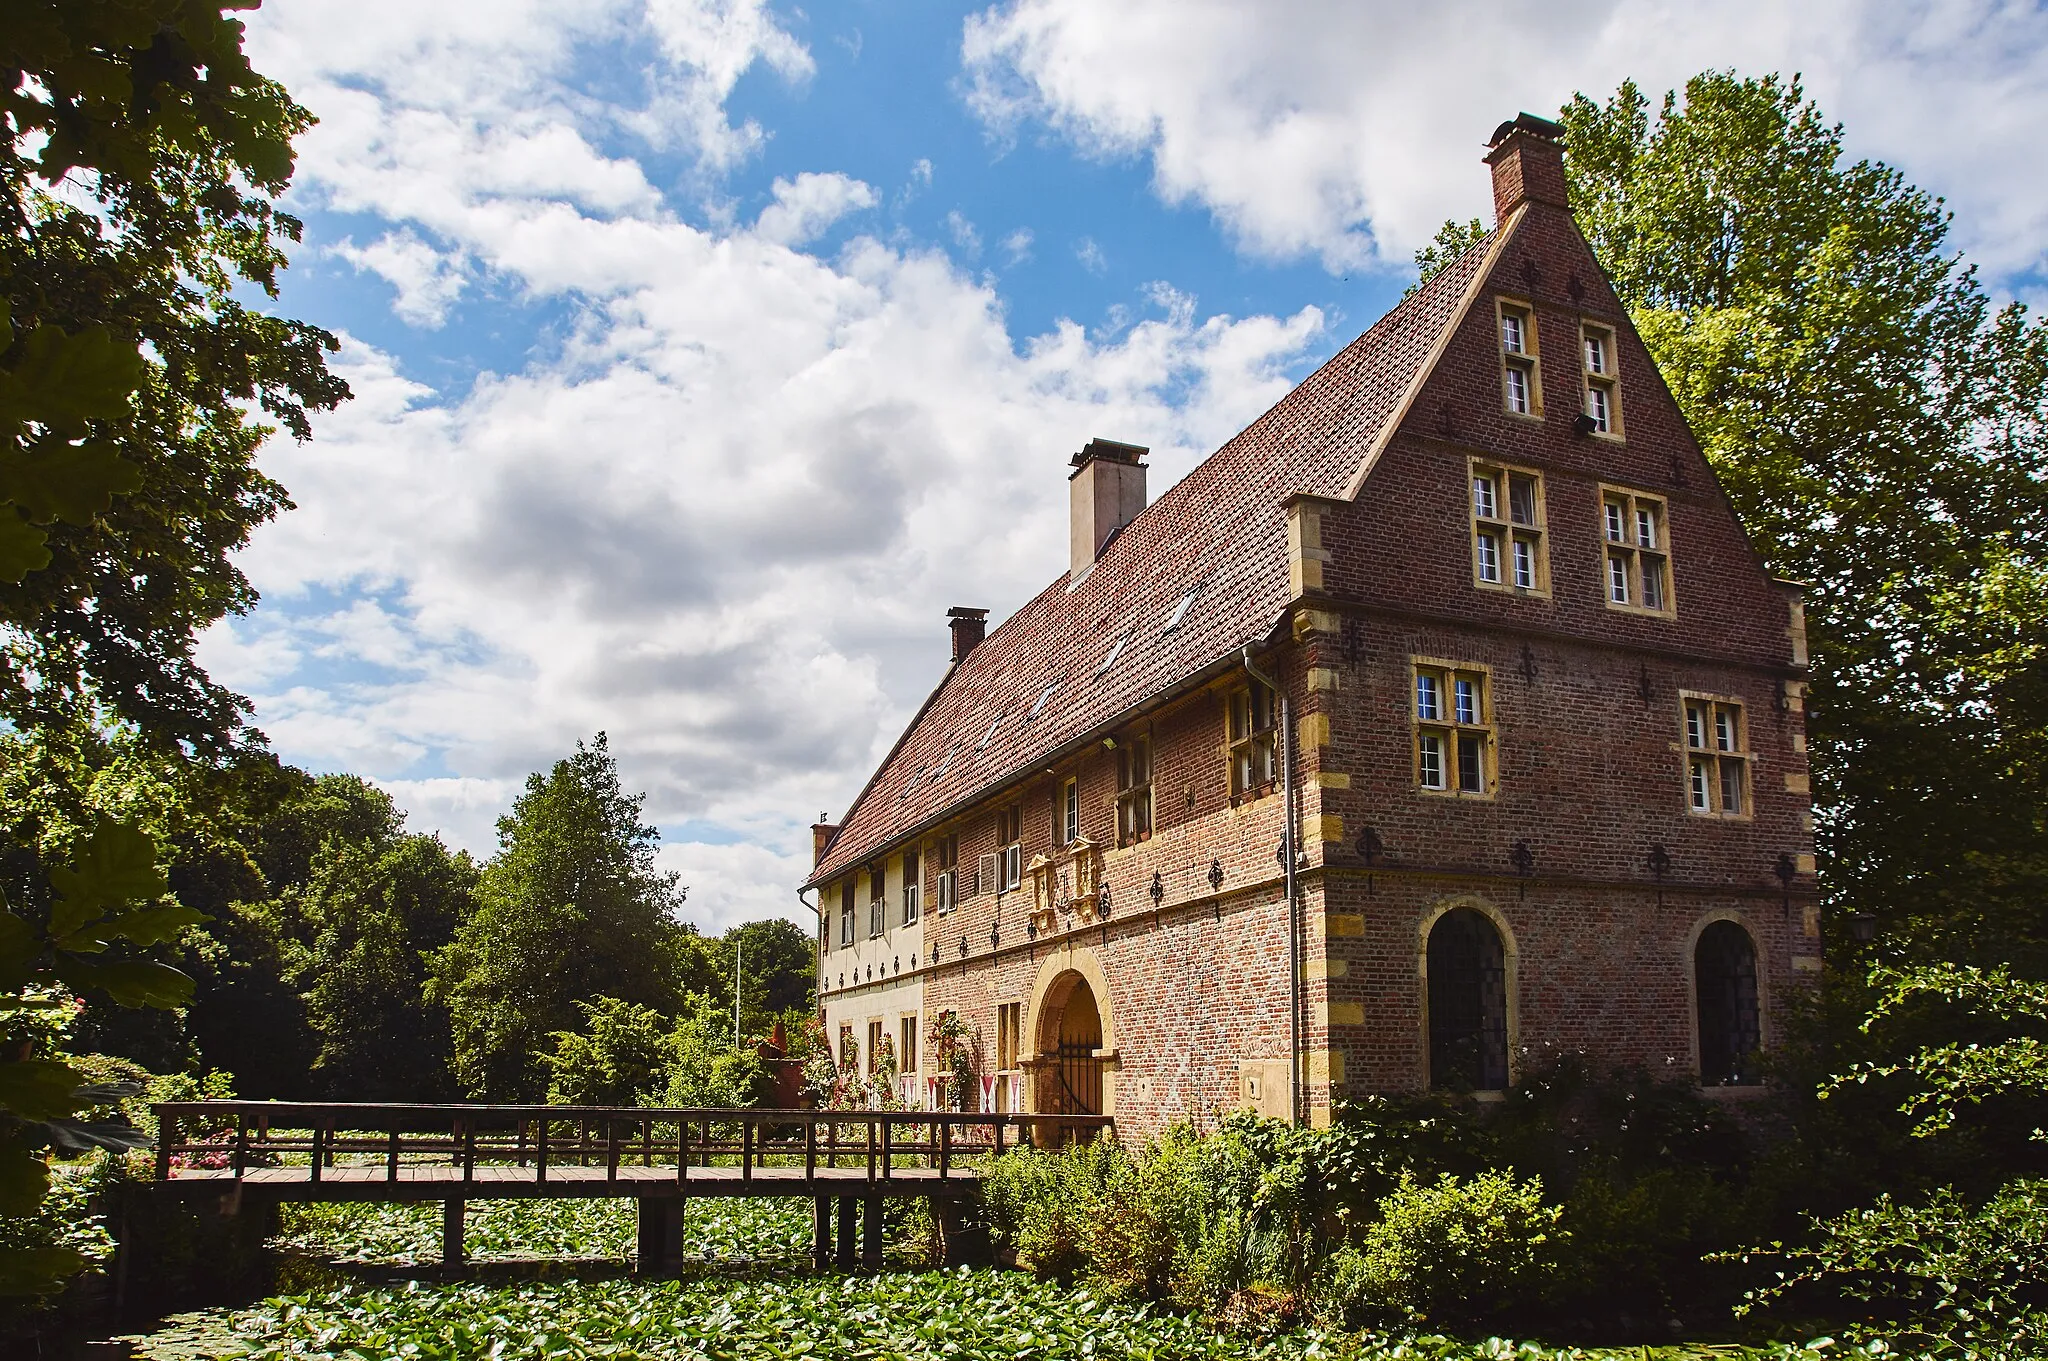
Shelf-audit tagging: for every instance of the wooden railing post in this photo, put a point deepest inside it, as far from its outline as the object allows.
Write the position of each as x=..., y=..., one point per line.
x=391, y=1161
x=469, y=1150
x=945, y=1148
x=811, y=1149
x=611, y=1139
x=166, y=1135
x=317, y=1131
x=871, y=1147
x=682, y=1148
x=1001, y=1121
x=540, y=1149
x=746, y=1148
x=888, y=1142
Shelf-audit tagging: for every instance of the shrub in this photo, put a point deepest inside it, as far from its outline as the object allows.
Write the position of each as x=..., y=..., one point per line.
x=622, y=1051
x=1452, y=1250
x=1948, y=1275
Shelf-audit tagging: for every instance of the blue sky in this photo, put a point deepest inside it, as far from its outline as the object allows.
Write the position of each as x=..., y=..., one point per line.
x=705, y=351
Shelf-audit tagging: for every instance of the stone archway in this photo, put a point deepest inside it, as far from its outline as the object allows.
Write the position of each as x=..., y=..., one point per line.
x=1072, y=1036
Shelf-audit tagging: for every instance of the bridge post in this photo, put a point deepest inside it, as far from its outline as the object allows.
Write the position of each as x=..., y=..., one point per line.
x=451, y=1233
x=871, y=1232
x=821, y=1232
x=846, y=1249
x=659, y=1242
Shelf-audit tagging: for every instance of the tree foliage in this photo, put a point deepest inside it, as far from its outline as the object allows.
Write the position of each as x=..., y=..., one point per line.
x=141, y=160
x=1882, y=429
x=570, y=909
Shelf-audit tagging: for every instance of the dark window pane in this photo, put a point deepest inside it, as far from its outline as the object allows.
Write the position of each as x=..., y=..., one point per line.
x=1468, y=1026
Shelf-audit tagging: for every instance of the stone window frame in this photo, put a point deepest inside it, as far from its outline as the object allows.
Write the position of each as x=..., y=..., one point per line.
x=1066, y=811
x=1605, y=382
x=1450, y=729
x=878, y=1030
x=1134, y=801
x=1528, y=360
x=1249, y=742
x=1505, y=528
x=1511, y=965
x=913, y=887
x=847, y=888
x=878, y=899
x=1633, y=553
x=1713, y=706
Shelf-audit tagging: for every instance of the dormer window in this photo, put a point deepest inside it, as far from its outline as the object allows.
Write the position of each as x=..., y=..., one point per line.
x=1602, y=381
x=1521, y=393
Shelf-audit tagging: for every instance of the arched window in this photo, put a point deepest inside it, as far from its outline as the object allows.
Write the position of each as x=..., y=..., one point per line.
x=1724, y=979
x=1468, y=1004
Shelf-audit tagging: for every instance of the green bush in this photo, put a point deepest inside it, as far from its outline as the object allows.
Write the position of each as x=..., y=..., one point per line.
x=1946, y=1276
x=1452, y=1250
x=628, y=1054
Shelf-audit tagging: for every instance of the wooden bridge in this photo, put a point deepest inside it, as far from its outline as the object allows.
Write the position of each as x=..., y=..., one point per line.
x=273, y=1151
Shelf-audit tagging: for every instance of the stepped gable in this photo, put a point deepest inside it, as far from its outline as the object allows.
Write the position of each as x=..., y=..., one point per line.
x=1221, y=528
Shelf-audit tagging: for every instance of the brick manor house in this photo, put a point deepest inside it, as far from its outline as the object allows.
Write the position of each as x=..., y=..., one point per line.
x=1441, y=720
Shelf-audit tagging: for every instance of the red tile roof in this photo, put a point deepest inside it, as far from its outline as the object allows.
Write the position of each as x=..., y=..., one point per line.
x=1221, y=530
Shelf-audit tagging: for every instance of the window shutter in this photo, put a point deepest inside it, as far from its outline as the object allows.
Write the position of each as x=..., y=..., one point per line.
x=986, y=879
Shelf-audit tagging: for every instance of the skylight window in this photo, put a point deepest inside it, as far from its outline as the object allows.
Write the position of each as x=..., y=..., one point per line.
x=1044, y=698
x=989, y=736
x=944, y=761
x=1180, y=611
x=1114, y=652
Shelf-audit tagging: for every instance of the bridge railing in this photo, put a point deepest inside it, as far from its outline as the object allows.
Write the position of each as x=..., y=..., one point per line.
x=212, y=1138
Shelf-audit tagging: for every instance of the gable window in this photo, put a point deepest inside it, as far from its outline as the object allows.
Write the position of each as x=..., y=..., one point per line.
x=913, y=889
x=1134, y=791
x=1252, y=733
x=1520, y=391
x=1066, y=813
x=1637, y=561
x=1716, y=757
x=878, y=901
x=1010, y=852
x=1602, y=381
x=846, y=914
x=1453, y=728
x=945, y=885
x=1507, y=528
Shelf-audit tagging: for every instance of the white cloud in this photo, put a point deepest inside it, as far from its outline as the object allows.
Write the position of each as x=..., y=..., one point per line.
x=1017, y=246
x=806, y=206
x=1349, y=131
x=964, y=234
x=1090, y=255
x=724, y=522
x=428, y=281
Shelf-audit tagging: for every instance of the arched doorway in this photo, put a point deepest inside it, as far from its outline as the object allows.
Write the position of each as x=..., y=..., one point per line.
x=1468, y=1003
x=1724, y=986
x=1069, y=1046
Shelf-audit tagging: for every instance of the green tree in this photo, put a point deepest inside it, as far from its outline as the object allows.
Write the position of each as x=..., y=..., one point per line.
x=622, y=1055
x=1879, y=425
x=778, y=972
x=141, y=161
x=570, y=909
x=371, y=916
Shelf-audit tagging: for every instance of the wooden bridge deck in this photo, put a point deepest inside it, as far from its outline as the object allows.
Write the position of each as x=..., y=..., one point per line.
x=417, y=1182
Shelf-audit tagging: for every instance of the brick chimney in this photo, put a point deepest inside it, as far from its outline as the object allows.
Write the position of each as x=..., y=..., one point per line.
x=821, y=837
x=1105, y=491
x=1527, y=157
x=969, y=627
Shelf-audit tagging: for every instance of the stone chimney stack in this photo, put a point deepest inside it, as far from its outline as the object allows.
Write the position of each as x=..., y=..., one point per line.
x=1106, y=491
x=969, y=626
x=822, y=833
x=1527, y=157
